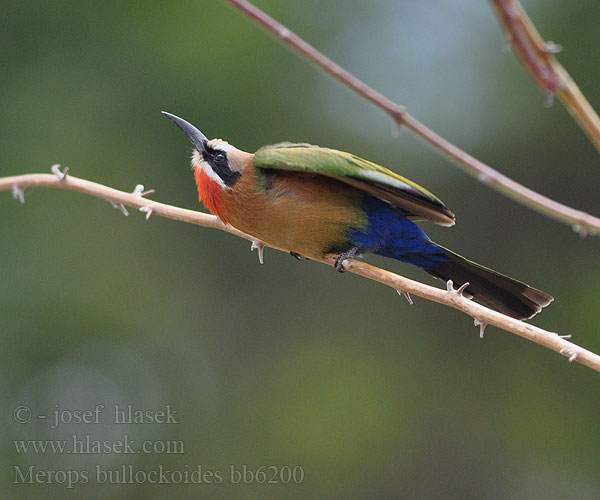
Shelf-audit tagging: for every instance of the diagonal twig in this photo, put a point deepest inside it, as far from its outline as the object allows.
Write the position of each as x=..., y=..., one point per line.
x=449, y=297
x=582, y=222
x=538, y=59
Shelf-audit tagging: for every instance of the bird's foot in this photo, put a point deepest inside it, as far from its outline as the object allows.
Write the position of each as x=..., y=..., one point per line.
x=296, y=256
x=348, y=254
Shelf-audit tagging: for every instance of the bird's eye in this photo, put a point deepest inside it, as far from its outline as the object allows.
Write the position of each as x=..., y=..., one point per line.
x=219, y=158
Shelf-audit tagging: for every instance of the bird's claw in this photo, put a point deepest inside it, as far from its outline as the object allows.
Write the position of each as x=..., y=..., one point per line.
x=339, y=263
x=348, y=254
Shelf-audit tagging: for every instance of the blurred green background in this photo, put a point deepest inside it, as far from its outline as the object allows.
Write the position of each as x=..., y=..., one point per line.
x=290, y=363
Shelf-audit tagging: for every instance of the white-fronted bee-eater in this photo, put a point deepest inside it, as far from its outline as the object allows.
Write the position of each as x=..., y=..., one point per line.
x=313, y=201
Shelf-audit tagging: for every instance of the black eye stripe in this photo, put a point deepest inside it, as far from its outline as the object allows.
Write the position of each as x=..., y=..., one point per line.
x=218, y=161
x=216, y=155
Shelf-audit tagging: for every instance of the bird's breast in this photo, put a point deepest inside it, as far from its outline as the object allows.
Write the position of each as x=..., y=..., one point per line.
x=303, y=213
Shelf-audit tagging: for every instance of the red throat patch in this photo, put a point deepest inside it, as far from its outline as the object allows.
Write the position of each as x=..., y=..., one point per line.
x=210, y=192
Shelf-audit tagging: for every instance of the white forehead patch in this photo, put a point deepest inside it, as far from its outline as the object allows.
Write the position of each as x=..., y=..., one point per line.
x=199, y=162
x=221, y=145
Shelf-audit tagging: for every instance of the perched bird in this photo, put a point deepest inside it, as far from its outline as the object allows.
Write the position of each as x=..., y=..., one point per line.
x=313, y=201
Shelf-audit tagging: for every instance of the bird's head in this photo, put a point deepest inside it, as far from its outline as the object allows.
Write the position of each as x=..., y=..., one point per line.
x=219, y=160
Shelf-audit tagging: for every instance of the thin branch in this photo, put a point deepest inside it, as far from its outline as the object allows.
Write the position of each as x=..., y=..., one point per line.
x=578, y=220
x=538, y=58
x=450, y=297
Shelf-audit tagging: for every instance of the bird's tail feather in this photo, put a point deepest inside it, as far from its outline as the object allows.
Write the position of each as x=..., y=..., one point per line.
x=504, y=294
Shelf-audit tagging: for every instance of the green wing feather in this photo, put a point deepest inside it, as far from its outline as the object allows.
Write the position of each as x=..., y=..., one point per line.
x=367, y=176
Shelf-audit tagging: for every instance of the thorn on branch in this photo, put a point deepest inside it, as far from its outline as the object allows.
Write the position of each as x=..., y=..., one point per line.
x=139, y=191
x=148, y=210
x=258, y=245
x=406, y=295
x=120, y=206
x=18, y=193
x=507, y=45
x=396, y=129
x=580, y=230
x=481, y=325
x=549, y=100
x=569, y=353
x=285, y=34
x=462, y=289
x=552, y=48
x=398, y=114
x=566, y=337
x=62, y=175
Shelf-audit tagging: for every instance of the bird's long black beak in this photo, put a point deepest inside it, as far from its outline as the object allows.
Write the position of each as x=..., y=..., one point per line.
x=198, y=139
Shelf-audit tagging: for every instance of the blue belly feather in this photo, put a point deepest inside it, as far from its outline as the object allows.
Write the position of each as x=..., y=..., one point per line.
x=390, y=234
